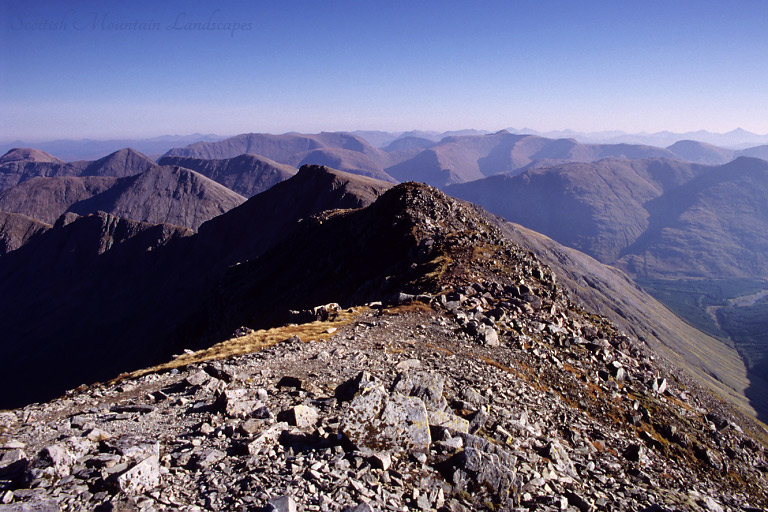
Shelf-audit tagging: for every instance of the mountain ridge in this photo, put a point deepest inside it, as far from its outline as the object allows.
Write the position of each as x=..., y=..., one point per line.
x=605, y=207
x=246, y=174
x=161, y=194
x=121, y=163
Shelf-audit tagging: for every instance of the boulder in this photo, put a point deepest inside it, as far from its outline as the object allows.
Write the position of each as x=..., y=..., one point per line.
x=281, y=504
x=378, y=421
x=237, y=403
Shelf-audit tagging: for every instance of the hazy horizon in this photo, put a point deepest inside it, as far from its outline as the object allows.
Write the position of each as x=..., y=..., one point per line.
x=110, y=70
x=395, y=132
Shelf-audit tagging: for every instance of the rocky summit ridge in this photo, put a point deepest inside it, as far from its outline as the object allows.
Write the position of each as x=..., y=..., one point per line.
x=457, y=375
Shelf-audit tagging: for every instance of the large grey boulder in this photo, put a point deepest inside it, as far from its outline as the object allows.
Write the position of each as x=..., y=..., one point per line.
x=377, y=421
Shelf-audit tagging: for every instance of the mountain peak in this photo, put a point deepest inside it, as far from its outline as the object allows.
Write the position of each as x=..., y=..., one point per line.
x=124, y=162
x=28, y=155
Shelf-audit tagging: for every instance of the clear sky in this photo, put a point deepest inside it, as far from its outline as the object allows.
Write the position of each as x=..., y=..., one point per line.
x=73, y=69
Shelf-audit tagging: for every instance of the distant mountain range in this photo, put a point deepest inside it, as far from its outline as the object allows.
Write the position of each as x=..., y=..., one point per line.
x=691, y=210
x=609, y=197
x=735, y=139
x=452, y=159
x=91, y=149
x=126, y=184
x=341, y=151
x=21, y=164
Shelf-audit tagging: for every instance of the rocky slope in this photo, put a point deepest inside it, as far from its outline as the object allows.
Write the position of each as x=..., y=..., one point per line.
x=247, y=175
x=609, y=292
x=494, y=391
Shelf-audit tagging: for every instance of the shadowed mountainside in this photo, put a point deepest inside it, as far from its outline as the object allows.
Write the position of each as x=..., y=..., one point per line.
x=92, y=149
x=46, y=199
x=653, y=218
x=714, y=225
x=597, y=208
x=97, y=295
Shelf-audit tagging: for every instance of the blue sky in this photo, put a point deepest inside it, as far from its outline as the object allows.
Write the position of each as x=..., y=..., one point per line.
x=137, y=69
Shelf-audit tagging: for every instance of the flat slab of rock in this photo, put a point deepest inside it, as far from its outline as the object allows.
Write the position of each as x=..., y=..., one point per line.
x=267, y=438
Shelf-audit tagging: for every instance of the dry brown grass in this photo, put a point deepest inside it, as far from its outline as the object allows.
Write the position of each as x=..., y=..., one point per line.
x=439, y=349
x=411, y=307
x=254, y=342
